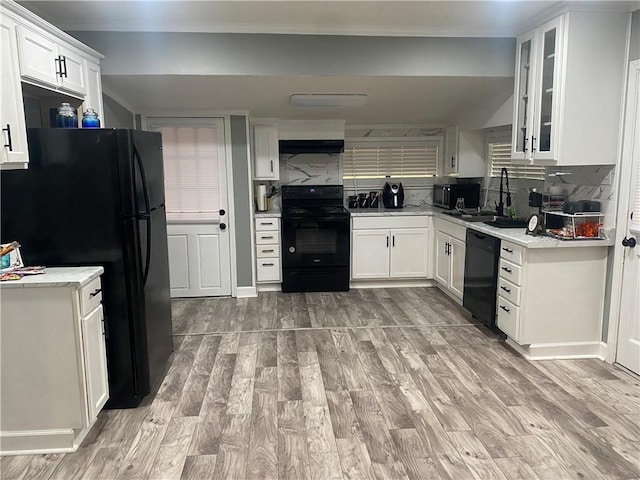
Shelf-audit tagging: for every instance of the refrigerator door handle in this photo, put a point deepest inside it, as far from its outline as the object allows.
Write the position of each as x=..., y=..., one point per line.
x=147, y=213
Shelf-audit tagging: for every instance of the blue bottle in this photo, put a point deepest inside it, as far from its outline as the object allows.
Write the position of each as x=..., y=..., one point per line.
x=90, y=119
x=66, y=117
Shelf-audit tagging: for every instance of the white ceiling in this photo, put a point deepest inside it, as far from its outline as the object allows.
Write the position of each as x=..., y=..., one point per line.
x=424, y=100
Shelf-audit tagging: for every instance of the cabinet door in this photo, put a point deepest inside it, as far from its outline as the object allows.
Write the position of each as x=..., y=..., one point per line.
x=370, y=254
x=409, y=253
x=265, y=148
x=450, y=165
x=93, y=98
x=95, y=362
x=457, y=266
x=14, y=131
x=443, y=261
x=72, y=74
x=38, y=57
x=523, y=97
x=547, y=108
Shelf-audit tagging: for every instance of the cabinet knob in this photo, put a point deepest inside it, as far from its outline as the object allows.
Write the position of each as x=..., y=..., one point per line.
x=95, y=292
x=223, y=226
x=508, y=270
x=505, y=308
x=9, y=143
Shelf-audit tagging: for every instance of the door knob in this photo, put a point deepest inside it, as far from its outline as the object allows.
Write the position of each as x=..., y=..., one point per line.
x=223, y=226
x=222, y=212
x=629, y=242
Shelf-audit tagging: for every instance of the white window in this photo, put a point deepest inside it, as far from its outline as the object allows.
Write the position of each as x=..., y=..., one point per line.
x=191, y=156
x=499, y=156
x=389, y=157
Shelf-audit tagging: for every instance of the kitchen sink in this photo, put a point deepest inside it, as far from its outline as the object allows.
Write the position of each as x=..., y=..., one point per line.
x=472, y=216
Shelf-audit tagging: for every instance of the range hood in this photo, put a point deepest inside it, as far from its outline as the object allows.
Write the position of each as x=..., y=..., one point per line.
x=311, y=136
x=311, y=146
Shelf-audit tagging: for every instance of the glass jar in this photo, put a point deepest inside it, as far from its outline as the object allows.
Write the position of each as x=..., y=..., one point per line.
x=90, y=119
x=66, y=117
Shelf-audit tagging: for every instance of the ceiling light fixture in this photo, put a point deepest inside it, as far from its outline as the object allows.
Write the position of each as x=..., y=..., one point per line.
x=328, y=100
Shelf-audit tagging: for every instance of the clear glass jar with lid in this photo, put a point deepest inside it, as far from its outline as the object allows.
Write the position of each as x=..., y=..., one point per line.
x=90, y=119
x=66, y=117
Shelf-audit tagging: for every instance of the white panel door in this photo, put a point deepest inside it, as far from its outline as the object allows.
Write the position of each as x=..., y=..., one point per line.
x=628, y=353
x=409, y=257
x=196, y=200
x=370, y=257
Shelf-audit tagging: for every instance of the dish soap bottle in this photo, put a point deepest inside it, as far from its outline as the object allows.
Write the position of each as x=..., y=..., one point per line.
x=90, y=119
x=66, y=117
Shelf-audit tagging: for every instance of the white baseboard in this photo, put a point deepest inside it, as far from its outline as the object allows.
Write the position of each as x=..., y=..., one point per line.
x=246, y=292
x=391, y=283
x=559, y=351
x=269, y=287
x=32, y=442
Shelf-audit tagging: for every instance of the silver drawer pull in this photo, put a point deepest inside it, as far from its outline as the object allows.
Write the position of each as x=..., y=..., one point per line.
x=267, y=265
x=508, y=270
x=505, y=308
x=508, y=250
x=508, y=290
x=95, y=292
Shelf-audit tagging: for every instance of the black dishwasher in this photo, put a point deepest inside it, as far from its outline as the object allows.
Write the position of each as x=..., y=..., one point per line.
x=481, y=276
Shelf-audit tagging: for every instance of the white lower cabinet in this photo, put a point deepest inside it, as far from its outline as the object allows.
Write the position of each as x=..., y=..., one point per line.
x=54, y=366
x=550, y=300
x=450, y=256
x=268, y=267
x=382, y=249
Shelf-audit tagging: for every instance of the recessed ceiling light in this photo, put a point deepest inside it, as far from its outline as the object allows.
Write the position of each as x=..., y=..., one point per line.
x=328, y=100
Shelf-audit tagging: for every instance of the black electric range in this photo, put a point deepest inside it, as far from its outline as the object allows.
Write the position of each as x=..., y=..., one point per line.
x=316, y=244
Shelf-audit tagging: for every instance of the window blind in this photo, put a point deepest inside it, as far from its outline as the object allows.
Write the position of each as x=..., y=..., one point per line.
x=635, y=199
x=390, y=158
x=191, y=173
x=499, y=156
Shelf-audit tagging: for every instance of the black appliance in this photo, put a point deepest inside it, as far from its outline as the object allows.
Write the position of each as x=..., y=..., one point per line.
x=446, y=195
x=393, y=195
x=315, y=239
x=481, y=276
x=293, y=147
x=96, y=197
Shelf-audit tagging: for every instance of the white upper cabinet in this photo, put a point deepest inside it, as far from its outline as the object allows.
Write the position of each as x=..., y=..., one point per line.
x=568, y=89
x=45, y=61
x=266, y=158
x=93, y=98
x=14, y=133
x=464, y=153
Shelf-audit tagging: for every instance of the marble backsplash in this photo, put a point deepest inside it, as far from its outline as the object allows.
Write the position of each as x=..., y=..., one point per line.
x=311, y=169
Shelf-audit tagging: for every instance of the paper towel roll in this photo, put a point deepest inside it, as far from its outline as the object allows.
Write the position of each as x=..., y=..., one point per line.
x=261, y=199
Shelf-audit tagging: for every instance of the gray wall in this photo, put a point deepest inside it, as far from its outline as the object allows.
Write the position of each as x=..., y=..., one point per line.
x=155, y=53
x=241, y=200
x=115, y=115
x=634, y=50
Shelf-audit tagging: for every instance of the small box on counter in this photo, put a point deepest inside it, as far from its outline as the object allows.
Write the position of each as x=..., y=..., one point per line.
x=10, y=257
x=576, y=226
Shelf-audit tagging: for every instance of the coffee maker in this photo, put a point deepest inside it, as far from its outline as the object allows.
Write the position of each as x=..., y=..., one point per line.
x=393, y=195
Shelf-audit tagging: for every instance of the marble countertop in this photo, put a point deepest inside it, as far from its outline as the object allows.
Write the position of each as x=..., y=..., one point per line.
x=268, y=214
x=388, y=212
x=57, y=277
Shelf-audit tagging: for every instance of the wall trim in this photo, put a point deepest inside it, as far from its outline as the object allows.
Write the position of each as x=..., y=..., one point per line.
x=559, y=351
x=391, y=283
x=246, y=292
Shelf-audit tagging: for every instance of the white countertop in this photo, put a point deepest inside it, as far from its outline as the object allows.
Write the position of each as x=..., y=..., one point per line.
x=57, y=277
x=388, y=212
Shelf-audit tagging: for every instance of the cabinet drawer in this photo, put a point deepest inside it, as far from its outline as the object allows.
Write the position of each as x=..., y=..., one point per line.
x=268, y=270
x=400, y=221
x=508, y=318
x=512, y=252
x=267, y=224
x=509, y=291
x=510, y=271
x=268, y=251
x=90, y=296
x=272, y=236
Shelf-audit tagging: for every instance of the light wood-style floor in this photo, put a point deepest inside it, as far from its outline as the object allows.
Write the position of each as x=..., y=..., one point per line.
x=369, y=384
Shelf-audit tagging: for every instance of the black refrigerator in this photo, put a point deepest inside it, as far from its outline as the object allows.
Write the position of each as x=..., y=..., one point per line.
x=96, y=197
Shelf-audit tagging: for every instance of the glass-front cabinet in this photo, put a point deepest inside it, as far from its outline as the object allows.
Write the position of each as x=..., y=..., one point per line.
x=537, y=92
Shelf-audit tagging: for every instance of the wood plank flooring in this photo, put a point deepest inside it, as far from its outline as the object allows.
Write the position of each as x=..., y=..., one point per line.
x=367, y=384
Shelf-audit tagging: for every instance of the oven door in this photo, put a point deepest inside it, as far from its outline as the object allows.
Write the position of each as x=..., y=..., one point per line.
x=315, y=242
